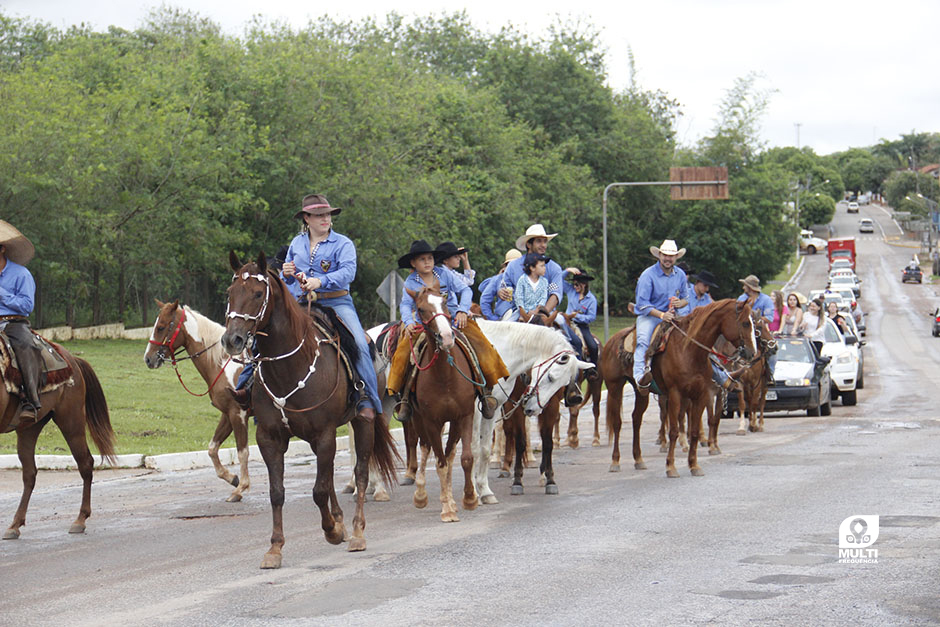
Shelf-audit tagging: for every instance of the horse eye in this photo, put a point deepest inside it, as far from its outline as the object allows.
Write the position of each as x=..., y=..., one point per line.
x=160, y=329
x=564, y=359
x=258, y=294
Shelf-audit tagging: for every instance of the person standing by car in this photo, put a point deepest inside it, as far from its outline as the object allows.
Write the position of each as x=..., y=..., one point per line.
x=814, y=324
x=832, y=311
x=780, y=312
x=794, y=316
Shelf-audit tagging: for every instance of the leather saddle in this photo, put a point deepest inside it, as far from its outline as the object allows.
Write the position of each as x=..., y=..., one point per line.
x=55, y=370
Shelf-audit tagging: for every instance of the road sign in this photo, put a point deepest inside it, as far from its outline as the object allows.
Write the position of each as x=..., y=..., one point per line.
x=390, y=293
x=699, y=183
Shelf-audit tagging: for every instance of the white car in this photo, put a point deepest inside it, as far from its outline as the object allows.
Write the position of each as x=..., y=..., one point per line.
x=866, y=225
x=840, y=264
x=853, y=207
x=843, y=366
x=810, y=243
x=838, y=283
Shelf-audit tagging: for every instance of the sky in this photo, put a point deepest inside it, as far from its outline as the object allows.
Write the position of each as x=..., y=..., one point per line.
x=843, y=74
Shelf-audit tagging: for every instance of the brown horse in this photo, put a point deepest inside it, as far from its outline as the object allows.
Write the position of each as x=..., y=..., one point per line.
x=181, y=328
x=683, y=370
x=301, y=389
x=755, y=381
x=443, y=365
x=71, y=407
x=594, y=385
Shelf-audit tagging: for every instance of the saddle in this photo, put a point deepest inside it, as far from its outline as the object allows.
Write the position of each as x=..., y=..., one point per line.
x=55, y=370
x=330, y=325
x=421, y=344
x=387, y=341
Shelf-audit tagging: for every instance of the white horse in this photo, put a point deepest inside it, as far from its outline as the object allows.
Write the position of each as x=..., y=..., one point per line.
x=523, y=347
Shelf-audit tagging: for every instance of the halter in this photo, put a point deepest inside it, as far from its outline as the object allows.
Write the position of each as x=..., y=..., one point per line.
x=264, y=306
x=174, y=360
x=533, y=387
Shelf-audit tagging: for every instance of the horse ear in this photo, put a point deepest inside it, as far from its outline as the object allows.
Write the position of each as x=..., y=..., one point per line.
x=234, y=261
x=411, y=293
x=158, y=302
x=176, y=303
x=262, y=261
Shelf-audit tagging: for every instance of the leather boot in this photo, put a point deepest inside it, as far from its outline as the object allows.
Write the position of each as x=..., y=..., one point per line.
x=242, y=397
x=403, y=410
x=488, y=404
x=25, y=415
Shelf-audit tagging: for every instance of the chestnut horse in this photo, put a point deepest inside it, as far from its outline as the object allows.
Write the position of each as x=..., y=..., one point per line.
x=445, y=392
x=301, y=389
x=181, y=328
x=71, y=407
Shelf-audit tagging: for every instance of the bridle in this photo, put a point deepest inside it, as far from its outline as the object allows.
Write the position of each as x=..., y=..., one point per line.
x=255, y=318
x=174, y=360
x=533, y=386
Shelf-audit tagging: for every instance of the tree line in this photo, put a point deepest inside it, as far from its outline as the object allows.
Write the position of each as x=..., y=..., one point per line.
x=134, y=160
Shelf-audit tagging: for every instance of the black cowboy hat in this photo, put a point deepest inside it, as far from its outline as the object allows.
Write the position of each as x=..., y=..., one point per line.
x=446, y=250
x=706, y=277
x=418, y=247
x=584, y=276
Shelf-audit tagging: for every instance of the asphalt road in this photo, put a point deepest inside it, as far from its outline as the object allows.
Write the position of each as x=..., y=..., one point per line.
x=754, y=541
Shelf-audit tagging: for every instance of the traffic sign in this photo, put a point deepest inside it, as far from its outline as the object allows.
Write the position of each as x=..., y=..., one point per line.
x=390, y=292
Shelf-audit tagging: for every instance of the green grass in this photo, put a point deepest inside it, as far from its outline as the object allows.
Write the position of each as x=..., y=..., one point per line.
x=150, y=411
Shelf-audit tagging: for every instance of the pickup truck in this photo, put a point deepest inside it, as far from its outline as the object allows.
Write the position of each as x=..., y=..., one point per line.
x=811, y=244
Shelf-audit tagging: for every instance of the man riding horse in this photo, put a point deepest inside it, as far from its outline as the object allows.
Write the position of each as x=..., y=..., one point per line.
x=17, y=294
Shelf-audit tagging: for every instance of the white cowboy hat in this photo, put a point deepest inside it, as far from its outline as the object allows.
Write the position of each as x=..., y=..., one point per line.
x=536, y=230
x=19, y=249
x=511, y=254
x=668, y=247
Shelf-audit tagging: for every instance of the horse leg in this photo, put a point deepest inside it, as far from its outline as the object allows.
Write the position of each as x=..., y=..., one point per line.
x=640, y=404
x=272, y=449
x=26, y=451
x=331, y=516
x=714, y=419
x=596, y=394
x=499, y=448
x=483, y=441
x=573, y=440
x=545, y=469
x=614, y=420
x=696, y=407
x=242, y=483
x=676, y=407
x=222, y=431
x=509, y=442
x=466, y=462
x=742, y=423
x=445, y=461
x=556, y=434
x=365, y=440
x=519, y=463
x=350, y=487
x=761, y=402
x=411, y=453
x=420, y=498
x=74, y=432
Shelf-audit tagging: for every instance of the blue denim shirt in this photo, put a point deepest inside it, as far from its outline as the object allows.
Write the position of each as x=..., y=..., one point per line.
x=695, y=302
x=586, y=307
x=17, y=290
x=333, y=262
x=654, y=288
x=492, y=306
x=764, y=304
x=458, y=294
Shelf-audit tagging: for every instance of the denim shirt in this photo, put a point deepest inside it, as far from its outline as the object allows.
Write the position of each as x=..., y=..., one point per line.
x=17, y=290
x=333, y=262
x=586, y=307
x=695, y=302
x=654, y=288
x=764, y=304
x=492, y=306
x=458, y=294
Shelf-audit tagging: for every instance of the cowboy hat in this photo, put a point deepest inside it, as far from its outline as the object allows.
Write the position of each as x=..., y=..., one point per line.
x=751, y=281
x=446, y=250
x=706, y=277
x=418, y=247
x=668, y=247
x=316, y=205
x=512, y=253
x=19, y=249
x=536, y=230
x=800, y=298
x=583, y=276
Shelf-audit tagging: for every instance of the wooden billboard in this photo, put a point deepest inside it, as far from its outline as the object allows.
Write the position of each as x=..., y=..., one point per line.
x=699, y=183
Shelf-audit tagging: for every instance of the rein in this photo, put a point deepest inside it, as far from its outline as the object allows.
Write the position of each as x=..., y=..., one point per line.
x=174, y=359
x=527, y=394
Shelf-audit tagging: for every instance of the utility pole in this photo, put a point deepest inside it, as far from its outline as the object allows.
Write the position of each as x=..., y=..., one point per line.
x=798, y=125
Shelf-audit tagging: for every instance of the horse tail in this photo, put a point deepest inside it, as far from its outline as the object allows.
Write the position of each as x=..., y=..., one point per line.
x=96, y=412
x=384, y=451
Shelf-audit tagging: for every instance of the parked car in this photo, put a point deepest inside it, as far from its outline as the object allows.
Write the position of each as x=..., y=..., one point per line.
x=936, y=322
x=837, y=283
x=810, y=243
x=866, y=225
x=840, y=264
x=801, y=380
x=852, y=208
x=859, y=342
x=843, y=351
x=913, y=274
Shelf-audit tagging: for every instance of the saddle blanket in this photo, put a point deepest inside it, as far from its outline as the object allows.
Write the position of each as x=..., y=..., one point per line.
x=56, y=371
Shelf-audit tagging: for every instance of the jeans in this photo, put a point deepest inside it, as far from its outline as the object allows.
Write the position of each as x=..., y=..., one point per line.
x=590, y=341
x=344, y=308
x=573, y=339
x=719, y=374
x=645, y=325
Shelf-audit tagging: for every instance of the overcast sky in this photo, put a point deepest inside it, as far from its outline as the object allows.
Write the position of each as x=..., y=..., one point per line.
x=849, y=73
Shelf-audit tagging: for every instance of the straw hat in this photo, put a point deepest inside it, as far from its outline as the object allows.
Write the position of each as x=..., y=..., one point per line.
x=19, y=249
x=536, y=230
x=668, y=247
x=512, y=253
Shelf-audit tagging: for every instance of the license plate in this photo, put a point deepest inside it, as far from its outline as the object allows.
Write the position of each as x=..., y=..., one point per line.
x=771, y=395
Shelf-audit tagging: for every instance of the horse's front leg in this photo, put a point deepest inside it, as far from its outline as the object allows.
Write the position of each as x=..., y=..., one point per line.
x=411, y=453
x=26, y=451
x=519, y=437
x=573, y=440
x=742, y=410
x=466, y=462
x=546, y=470
x=445, y=462
x=714, y=419
x=676, y=407
x=696, y=407
x=420, y=498
x=596, y=395
x=222, y=431
x=640, y=404
x=350, y=486
x=239, y=424
x=273, y=447
x=365, y=440
x=483, y=447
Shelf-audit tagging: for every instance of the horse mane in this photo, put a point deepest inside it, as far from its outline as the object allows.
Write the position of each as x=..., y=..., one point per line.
x=211, y=333
x=298, y=321
x=524, y=338
x=693, y=323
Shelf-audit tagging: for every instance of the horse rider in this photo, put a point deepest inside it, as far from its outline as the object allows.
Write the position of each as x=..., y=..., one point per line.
x=494, y=308
x=764, y=305
x=699, y=296
x=321, y=263
x=535, y=240
x=421, y=258
x=451, y=257
x=582, y=311
x=661, y=290
x=17, y=297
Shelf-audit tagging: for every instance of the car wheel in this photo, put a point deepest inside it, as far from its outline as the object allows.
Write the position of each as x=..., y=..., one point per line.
x=849, y=398
x=810, y=250
x=814, y=411
x=826, y=409
x=860, y=385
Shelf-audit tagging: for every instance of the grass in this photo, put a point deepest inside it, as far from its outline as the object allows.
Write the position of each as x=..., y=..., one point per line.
x=150, y=411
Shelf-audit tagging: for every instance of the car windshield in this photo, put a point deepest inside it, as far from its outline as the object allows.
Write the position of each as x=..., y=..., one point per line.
x=842, y=280
x=841, y=253
x=794, y=350
x=832, y=334
x=848, y=295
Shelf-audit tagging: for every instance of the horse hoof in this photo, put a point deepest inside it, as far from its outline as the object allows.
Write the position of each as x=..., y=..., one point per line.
x=637, y=466
x=489, y=499
x=697, y=472
x=503, y=474
x=672, y=473
x=551, y=488
x=76, y=528
x=234, y=498
x=470, y=504
x=449, y=517
x=740, y=432
x=407, y=481
x=271, y=560
x=11, y=534
x=381, y=496
x=760, y=429
x=664, y=448
x=337, y=536
x=234, y=481
x=349, y=489
x=574, y=442
x=356, y=544
x=421, y=502
x=714, y=451
x=517, y=490
x=685, y=449
x=596, y=442
x=542, y=481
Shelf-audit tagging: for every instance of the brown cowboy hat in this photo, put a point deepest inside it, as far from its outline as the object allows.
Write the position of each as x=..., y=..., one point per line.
x=19, y=249
x=668, y=247
x=316, y=205
x=418, y=247
x=751, y=281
